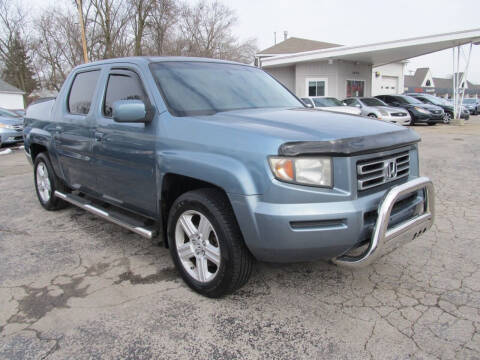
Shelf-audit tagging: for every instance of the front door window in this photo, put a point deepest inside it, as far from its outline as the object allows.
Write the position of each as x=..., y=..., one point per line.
x=355, y=88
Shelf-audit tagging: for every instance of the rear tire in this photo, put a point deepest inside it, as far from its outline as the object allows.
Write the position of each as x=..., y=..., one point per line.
x=206, y=244
x=373, y=116
x=46, y=182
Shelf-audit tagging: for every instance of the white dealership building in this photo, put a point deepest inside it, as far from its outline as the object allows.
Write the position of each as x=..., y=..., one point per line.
x=315, y=68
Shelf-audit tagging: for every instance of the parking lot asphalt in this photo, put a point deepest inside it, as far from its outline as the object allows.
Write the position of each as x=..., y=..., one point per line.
x=74, y=286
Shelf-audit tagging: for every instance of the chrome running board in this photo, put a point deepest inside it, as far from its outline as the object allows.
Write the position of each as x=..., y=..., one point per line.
x=119, y=219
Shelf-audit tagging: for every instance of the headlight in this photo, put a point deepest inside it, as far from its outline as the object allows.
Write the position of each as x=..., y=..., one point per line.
x=314, y=171
x=383, y=112
x=5, y=126
x=419, y=109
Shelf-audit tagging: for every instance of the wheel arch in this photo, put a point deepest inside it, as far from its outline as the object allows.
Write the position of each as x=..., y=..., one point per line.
x=173, y=186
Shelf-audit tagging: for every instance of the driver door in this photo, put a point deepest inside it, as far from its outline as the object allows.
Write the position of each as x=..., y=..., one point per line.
x=125, y=152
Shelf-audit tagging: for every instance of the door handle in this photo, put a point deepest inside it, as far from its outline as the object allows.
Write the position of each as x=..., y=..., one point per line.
x=99, y=136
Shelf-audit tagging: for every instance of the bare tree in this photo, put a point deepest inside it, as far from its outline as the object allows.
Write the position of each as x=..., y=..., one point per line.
x=12, y=24
x=142, y=11
x=58, y=47
x=111, y=17
x=117, y=28
x=162, y=28
x=15, y=48
x=208, y=31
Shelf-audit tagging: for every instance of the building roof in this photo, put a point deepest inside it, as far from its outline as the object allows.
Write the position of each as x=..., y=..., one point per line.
x=443, y=83
x=296, y=45
x=7, y=88
x=380, y=53
x=409, y=81
x=416, y=80
x=420, y=74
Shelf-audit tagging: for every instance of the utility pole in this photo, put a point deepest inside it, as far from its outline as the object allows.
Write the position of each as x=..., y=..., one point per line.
x=82, y=29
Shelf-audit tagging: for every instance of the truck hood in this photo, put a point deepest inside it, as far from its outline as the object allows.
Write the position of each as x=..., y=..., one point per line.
x=335, y=132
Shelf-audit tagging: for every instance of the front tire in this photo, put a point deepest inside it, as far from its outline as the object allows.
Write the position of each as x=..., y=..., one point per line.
x=206, y=244
x=46, y=182
x=447, y=118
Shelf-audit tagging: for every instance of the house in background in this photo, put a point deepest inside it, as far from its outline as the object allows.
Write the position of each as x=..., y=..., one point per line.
x=11, y=97
x=316, y=68
x=423, y=82
x=324, y=78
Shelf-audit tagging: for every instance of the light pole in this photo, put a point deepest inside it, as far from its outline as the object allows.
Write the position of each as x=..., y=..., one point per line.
x=82, y=29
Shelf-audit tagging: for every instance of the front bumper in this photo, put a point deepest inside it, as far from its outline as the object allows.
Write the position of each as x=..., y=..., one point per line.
x=313, y=231
x=437, y=118
x=420, y=117
x=10, y=136
x=400, y=120
x=384, y=238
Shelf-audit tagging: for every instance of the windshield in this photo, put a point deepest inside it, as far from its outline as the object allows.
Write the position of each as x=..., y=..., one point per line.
x=8, y=113
x=407, y=100
x=373, y=102
x=437, y=101
x=323, y=102
x=203, y=88
x=469, y=101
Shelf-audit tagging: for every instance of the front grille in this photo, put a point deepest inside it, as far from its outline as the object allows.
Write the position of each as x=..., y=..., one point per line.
x=379, y=171
x=18, y=127
x=399, y=114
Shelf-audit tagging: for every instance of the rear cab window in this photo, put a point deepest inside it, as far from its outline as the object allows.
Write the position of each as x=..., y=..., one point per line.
x=82, y=91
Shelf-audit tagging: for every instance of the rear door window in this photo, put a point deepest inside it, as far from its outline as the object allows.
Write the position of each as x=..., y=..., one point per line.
x=124, y=85
x=81, y=92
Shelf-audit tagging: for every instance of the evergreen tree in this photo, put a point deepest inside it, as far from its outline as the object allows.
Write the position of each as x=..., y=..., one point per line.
x=18, y=68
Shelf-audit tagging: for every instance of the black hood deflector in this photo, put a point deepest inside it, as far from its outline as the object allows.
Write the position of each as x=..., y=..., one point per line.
x=351, y=146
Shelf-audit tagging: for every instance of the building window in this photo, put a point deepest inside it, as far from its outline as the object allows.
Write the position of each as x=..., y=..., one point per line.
x=355, y=88
x=316, y=87
x=428, y=83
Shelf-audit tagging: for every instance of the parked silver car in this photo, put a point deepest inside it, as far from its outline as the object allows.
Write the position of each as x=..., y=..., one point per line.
x=331, y=104
x=376, y=108
x=11, y=127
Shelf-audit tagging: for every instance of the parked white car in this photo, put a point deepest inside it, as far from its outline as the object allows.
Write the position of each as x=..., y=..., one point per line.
x=331, y=104
x=376, y=108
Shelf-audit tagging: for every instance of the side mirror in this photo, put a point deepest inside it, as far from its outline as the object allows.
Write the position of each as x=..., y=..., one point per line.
x=129, y=111
x=308, y=105
x=358, y=105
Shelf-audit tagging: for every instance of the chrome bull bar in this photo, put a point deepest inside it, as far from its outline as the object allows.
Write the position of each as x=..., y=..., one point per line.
x=404, y=232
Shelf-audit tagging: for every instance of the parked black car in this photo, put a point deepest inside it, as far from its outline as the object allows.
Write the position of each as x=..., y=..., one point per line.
x=473, y=105
x=444, y=104
x=419, y=112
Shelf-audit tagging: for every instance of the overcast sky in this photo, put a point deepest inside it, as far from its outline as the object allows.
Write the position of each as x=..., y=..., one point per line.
x=353, y=22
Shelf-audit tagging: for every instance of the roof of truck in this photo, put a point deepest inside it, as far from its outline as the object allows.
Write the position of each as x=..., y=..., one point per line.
x=154, y=59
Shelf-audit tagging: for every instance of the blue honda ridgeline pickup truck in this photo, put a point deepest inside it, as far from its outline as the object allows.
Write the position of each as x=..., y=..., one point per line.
x=225, y=165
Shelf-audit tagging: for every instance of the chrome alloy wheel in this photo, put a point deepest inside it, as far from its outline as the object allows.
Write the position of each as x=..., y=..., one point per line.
x=197, y=246
x=43, y=182
x=446, y=118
